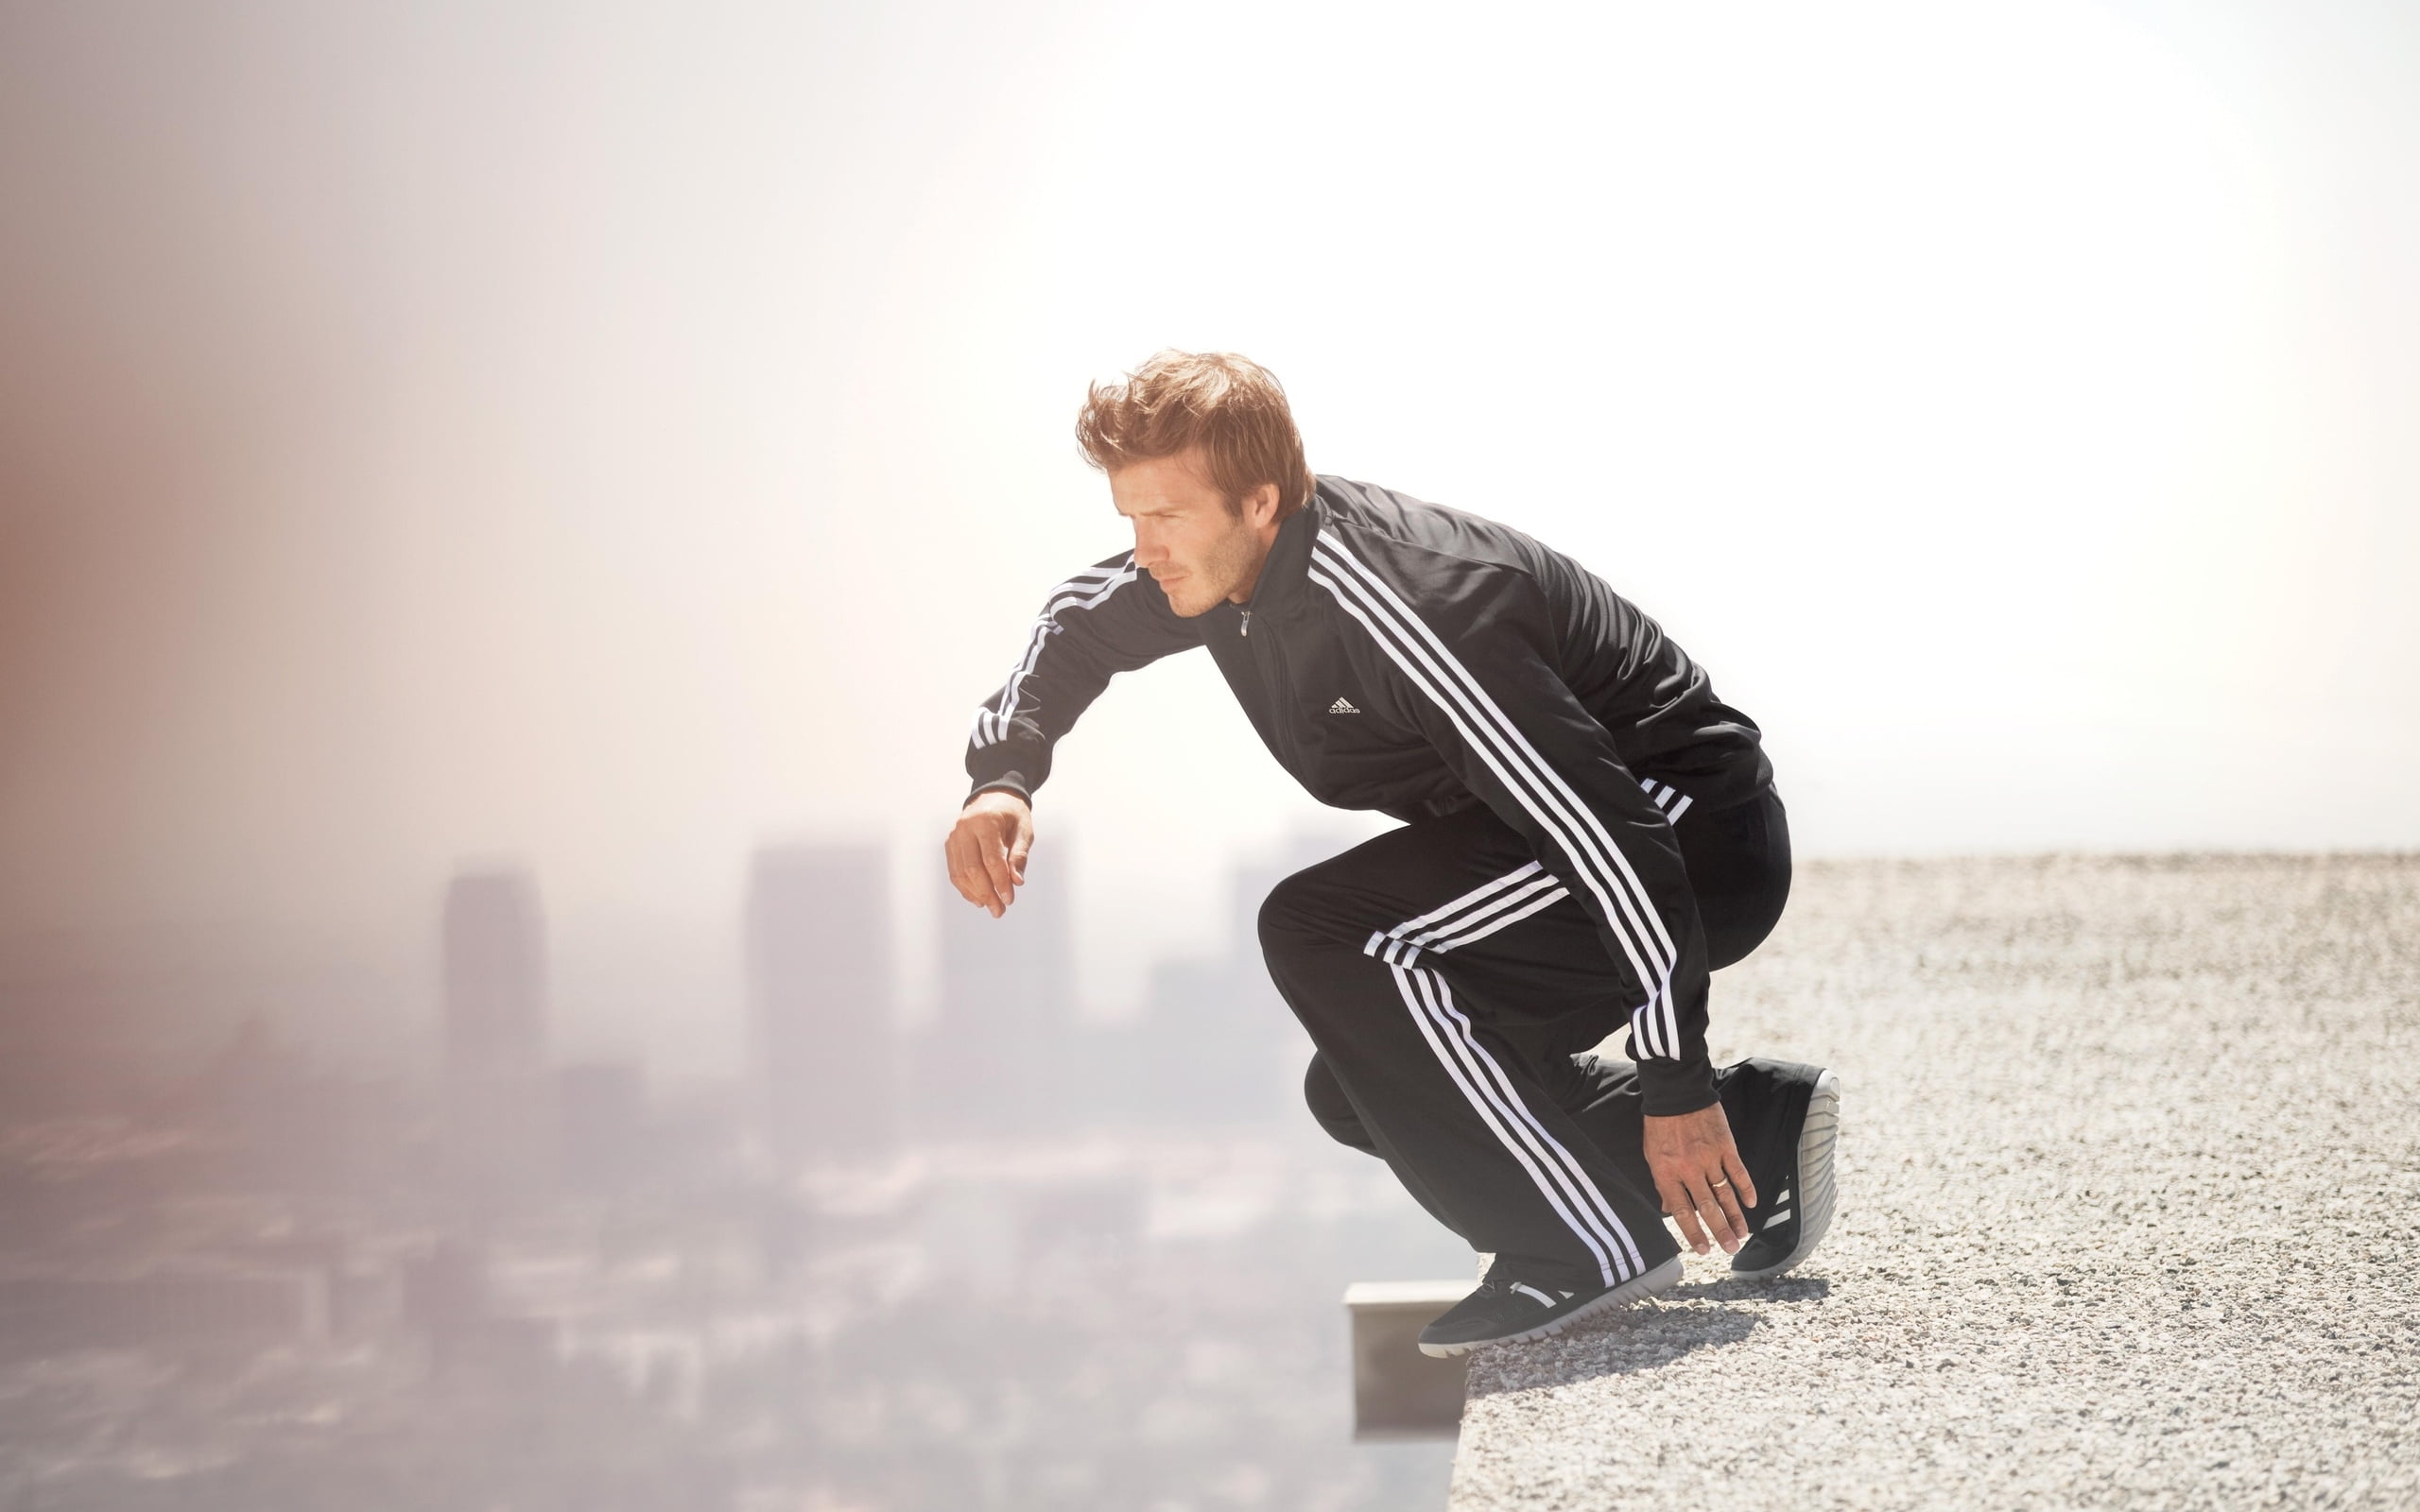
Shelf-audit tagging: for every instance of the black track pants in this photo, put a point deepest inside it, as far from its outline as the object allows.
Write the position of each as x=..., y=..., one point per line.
x=1466, y=1069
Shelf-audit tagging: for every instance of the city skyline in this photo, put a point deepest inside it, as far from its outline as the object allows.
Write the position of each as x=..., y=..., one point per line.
x=235, y=1272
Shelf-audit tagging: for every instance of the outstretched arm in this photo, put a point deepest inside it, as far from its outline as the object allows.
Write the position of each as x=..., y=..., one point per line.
x=1107, y=619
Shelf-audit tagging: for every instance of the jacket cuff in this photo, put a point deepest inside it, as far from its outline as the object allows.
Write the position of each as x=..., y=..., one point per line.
x=1670, y=1088
x=1005, y=782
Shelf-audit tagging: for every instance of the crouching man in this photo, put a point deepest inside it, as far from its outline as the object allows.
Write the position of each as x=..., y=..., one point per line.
x=1587, y=833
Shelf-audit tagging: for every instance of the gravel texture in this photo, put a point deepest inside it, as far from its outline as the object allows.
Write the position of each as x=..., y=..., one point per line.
x=2130, y=1212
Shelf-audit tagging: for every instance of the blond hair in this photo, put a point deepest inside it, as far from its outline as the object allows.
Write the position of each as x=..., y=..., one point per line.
x=1231, y=407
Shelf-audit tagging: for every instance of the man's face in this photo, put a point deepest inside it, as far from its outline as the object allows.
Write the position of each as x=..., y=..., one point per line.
x=1201, y=552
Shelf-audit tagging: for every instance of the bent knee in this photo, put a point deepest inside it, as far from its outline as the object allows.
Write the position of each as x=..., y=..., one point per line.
x=1297, y=915
x=1331, y=1108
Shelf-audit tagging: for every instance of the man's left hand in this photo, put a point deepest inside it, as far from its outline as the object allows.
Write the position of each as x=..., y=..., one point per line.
x=1699, y=1176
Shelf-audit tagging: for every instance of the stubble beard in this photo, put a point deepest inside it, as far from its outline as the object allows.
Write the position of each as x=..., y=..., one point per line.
x=1215, y=579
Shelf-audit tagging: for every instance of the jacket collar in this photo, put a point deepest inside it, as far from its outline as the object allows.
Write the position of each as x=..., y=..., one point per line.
x=1285, y=583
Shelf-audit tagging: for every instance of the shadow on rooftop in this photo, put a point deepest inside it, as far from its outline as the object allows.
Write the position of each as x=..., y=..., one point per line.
x=1638, y=1339
x=1732, y=1289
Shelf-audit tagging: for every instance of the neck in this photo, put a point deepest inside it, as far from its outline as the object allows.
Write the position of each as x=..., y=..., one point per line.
x=1263, y=538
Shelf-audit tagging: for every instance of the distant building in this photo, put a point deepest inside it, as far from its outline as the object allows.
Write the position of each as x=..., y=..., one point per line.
x=823, y=991
x=1008, y=993
x=499, y=1112
x=496, y=975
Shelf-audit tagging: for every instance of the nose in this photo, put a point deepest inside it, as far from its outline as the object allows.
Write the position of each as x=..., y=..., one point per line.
x=1150, y=551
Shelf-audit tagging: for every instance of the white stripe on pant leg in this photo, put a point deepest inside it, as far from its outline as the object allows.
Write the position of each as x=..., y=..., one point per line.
x=1478, y=894
x=1562, y=1176
x=1568, y=1178
x=1388, y=949
x=1457, y=928
x=1470, y=915
x=1579, y=1176
x=1502, y=921
x=1671, y=800
x=1438, y=998
x=1432, y=1031
x=1397, y=947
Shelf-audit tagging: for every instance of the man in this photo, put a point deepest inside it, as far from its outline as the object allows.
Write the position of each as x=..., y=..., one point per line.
x=1587, y=832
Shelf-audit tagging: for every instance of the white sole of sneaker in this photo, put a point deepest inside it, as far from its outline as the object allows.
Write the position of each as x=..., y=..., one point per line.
x=1662, y=1278
x=1817, y=1188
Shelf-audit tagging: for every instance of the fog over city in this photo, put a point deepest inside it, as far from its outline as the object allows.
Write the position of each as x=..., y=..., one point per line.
x=593, y=457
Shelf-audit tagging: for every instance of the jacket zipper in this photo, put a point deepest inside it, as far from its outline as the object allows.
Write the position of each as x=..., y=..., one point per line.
x=1277, y=687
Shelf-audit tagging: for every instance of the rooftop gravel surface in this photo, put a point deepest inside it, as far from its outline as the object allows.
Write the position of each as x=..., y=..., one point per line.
x=2130, y=1212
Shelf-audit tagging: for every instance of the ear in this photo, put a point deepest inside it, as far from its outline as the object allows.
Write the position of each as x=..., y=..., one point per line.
x=1260, y=505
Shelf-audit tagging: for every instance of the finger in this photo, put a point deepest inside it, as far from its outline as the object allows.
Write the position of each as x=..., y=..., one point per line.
x=951, y=865
x=1717, y=1227
x=1685, y=1214
x=1730, y=1229
x=1017, y=853
x=966, y=872
x=973, y=879
x=953, y=859
x=1741, y=1182
x=995, y=866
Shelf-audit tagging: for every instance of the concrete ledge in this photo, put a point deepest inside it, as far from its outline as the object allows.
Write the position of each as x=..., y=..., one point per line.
x=1397, y=1391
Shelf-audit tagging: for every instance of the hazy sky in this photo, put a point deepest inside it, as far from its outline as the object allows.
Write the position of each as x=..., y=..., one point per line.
x=607, y=437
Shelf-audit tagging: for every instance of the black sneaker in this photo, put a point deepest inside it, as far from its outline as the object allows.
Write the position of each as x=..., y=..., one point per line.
x=1786, y=1118
x=1503, y=1311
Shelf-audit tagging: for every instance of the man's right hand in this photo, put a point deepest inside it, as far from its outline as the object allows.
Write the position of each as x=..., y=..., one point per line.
x=987, y=849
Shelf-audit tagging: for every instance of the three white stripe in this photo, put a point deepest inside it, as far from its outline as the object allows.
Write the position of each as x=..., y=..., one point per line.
x=1426, y=662
x=1673, y=802
x=1086, y=590
x=1567, y=1188
x=1476, y=914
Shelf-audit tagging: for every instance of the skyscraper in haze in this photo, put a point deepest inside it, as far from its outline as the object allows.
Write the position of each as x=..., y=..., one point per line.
x=496, y=975
x=1006, y=1004
x=823, y=991
x=499, y=1114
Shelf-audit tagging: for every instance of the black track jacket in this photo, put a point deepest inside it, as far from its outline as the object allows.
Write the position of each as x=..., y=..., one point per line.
x=1413, y=658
